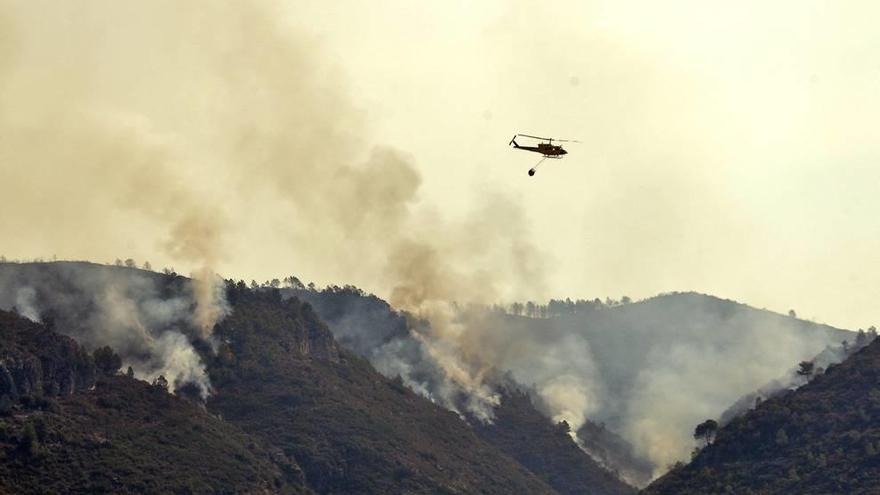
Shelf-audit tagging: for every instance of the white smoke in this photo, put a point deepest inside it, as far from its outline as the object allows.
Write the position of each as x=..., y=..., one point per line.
x=565, y=377
x=25, y=303
x=649, y=371
x=153, y=328
x=177, y=361
x=681, y=384
x=144, y=329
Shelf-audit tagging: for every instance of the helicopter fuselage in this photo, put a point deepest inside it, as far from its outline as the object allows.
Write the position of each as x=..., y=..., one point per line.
x=548, y=150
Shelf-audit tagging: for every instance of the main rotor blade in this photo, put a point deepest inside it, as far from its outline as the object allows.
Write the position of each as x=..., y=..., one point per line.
x=550, y=139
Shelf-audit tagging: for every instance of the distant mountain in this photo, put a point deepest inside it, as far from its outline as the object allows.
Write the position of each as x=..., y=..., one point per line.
x=65, y=428
x=627, y=338
x=822, y=438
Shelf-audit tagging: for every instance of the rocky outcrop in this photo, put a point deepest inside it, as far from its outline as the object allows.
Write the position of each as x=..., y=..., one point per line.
x=318, y=341
x=34, y=361
x=22, y=375
x=295, y=326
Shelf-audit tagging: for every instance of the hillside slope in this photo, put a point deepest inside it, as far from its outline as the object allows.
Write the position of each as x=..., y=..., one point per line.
x=626, y=339
x=711, y=351
x=623, y=336
x=371, y=328
x=278, y=375
x=664, y=364
x=626, y=358
x=821, y=438
x=281, y=376
x=65, y=429
x=546, y=449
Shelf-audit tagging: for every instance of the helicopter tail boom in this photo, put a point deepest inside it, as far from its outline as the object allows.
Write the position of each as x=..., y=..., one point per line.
x=513, y=142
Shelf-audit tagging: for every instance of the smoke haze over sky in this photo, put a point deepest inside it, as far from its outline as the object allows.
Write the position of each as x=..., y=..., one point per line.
x=727, y=149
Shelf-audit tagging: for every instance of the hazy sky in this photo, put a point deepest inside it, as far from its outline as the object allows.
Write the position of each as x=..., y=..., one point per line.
x=728, y=148
x=731, y=148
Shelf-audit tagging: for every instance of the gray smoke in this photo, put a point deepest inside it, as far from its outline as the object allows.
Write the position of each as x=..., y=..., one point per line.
x=152, y=327
x=173, y=124
x=25, y=303
x=649, y=371
x=200, y=129
x=684, y=383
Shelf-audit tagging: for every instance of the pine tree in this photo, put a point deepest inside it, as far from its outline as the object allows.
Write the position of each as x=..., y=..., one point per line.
x=161, y=382
x=29, y=443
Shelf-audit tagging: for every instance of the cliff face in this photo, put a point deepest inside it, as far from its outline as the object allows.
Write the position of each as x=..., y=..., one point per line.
x=315, y=339
x=35, y=361
x=267, y=322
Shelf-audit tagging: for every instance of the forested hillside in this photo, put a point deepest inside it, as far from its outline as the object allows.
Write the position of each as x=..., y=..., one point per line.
x=269, y=389
x=819, y=439
x=628, y=358
x=350, y=428
x=68, y=426
x=280, y=375
x=546, y=449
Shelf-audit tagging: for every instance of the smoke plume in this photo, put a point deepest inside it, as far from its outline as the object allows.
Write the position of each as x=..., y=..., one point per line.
x=25, y=303
x=683, y=383
x=210, y=132
x=648, y=371
x=149, y=320
x=208, y=129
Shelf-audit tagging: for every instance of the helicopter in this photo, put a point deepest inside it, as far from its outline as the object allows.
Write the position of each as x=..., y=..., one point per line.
x=545, y=147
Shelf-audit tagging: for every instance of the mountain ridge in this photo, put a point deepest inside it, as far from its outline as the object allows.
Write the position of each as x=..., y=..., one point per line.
x=619, y=338
x=325, y=417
